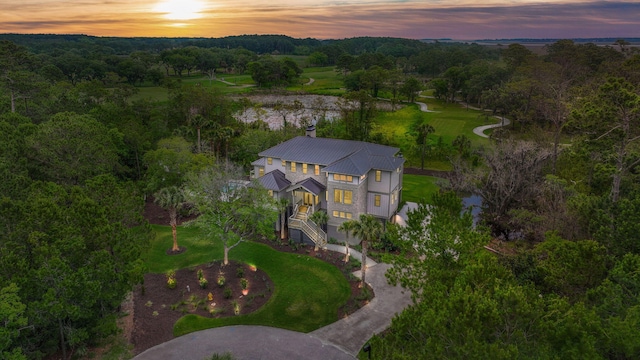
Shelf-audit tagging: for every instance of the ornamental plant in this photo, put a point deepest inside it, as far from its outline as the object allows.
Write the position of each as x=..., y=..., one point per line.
x=221, y=281
x=171, y=279
x=244, y=283
x=203, y=282
x=200, y=274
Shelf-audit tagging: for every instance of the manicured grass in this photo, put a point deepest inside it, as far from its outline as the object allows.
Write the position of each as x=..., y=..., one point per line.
x=417, y=188
x=306, y=295
x=326, y=81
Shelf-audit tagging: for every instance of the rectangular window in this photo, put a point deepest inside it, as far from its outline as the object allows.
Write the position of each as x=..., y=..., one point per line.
x=378, y=175
x=304, y=168
x=271, y=193
x=317, y=170
x=269, y=161
x=342, y=214
x=376, y=201
x=348, y=197
x=284, y=163
x=293, y=166
x=342, y=196
x=261, y=171
x=341, y=177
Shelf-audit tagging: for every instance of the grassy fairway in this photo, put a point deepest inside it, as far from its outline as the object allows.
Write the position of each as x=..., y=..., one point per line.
x=326, y=81
x=306, y=292
x=417, y=188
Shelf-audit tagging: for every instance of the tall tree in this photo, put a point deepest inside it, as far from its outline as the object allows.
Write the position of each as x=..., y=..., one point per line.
x=347, y=228
x=368, y=229
x=72, y=148
x=171, y=198
x=421, y=130
x=230, y=209
x=320, y=218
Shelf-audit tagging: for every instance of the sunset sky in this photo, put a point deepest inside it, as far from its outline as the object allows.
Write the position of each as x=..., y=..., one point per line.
x=325, y=19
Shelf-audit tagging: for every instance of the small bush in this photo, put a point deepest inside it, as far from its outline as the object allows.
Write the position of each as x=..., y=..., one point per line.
x=203, y=282
x=240, y=272
x=244, y=283
x=221, y=281
x=227, y=293
x=172, y=283
x=200, y=274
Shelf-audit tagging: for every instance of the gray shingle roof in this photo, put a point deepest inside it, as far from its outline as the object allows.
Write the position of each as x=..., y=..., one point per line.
x=274, y=180
x=342, y=156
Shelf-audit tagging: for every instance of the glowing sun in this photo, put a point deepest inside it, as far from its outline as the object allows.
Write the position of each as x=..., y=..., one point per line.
x=180, y=9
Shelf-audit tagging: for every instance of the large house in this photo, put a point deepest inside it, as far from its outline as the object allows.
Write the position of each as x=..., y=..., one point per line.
x=342, y=177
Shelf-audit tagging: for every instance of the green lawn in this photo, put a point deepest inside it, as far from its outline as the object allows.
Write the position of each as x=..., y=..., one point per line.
x=416, y=188
x=326, y=81
x=307, y=292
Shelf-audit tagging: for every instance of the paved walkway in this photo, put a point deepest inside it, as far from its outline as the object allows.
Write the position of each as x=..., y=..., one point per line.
x=481, y=129
x=340, y=340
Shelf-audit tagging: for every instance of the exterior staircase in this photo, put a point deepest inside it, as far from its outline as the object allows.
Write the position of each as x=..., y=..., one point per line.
x=300, y=220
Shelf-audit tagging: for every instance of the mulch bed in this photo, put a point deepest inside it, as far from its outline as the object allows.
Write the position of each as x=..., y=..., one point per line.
x=156, y=308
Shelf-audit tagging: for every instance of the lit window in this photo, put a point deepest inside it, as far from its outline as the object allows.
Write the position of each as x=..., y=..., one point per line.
x=348, y=196
x=342, y=214
x=293, y=166
x=376, y=201
x=261, y=171
x=336, y=213
x=269, y=161
x=340, y=177
x=378, y=175
x=317, y=171
x=349, y=215
x=271, y=193
x=304, y=168
x=284, y=163
x=342, y=196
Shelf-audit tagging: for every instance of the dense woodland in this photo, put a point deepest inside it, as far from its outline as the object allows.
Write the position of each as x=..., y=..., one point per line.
x=559, y=187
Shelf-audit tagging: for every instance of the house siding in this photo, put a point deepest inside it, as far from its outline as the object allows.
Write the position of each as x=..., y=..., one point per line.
x=382, y=186
x=379, y=211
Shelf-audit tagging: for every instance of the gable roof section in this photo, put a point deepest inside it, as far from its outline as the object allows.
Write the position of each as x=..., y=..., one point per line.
x=274, y=180
x=310, y=184
x=340, y=156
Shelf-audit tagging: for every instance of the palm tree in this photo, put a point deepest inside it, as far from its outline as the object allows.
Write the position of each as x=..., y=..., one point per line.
x=171, y=198
x=347, y=227
x=367, y=228
x=282, y=205
x=320, y=218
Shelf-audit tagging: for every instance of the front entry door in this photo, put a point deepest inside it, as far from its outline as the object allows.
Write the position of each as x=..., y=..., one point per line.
x=308, y=199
